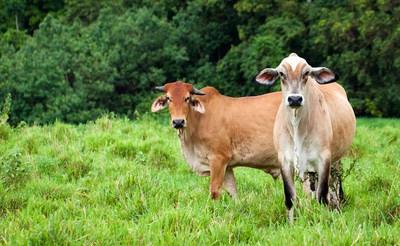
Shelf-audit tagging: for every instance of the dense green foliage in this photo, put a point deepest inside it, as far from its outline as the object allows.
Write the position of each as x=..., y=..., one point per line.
x=74, y=60
x=114, y=181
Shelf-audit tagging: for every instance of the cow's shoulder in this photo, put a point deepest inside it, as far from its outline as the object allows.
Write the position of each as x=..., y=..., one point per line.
x=333, y=89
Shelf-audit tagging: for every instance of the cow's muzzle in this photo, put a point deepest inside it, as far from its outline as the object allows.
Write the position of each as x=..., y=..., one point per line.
x=295, y=101
x=178, y=123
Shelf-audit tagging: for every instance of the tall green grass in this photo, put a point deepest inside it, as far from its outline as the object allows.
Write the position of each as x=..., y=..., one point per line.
x=115, y=181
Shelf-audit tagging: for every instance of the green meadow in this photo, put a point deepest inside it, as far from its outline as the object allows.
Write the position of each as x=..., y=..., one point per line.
x=116, y=181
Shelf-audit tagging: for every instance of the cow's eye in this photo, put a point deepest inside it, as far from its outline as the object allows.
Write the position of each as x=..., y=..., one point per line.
x=168, y=99
x=282, y=75
x=187, y=99
x=305, y=75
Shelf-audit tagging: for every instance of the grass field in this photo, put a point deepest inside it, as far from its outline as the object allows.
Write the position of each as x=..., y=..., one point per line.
x=116, y=181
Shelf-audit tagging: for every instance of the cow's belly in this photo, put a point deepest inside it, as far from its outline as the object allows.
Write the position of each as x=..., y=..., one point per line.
x=254, y=155
x=258, y=157
x=255, y=161
x=197, y=158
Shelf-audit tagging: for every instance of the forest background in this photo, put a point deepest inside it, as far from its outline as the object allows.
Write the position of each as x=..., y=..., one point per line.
x=75, y=60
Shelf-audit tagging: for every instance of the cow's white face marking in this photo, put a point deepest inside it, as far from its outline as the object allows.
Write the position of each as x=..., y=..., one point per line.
x=293, y=60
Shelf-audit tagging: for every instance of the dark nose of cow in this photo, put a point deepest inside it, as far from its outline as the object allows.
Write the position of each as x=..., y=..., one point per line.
x=178, y=123
x=295, y=101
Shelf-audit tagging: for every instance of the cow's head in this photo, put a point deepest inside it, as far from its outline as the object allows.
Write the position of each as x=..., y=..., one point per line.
x=294, y=73
x=179, y=97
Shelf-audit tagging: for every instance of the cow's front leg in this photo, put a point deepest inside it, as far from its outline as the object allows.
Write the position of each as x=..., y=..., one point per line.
x=289, y=189
x=230, y=182
x=323, y=179
x=217, y=172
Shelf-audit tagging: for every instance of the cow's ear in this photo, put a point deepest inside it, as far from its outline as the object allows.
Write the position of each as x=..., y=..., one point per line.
x=323, y=75
x=267, y=76
x=197, y=105
x=160, y=103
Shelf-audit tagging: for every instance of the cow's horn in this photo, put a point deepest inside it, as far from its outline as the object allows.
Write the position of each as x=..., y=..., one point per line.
x=197, y=92
x=159, y=88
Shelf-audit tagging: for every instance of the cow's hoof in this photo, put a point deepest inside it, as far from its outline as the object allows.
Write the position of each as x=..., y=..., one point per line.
x=214, y=195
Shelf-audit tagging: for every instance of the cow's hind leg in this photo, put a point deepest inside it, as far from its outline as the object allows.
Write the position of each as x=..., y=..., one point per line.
x=230, y=182
x=335, y=186
x=309, y=184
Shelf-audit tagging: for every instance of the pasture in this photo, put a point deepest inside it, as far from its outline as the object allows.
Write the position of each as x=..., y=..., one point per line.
x=116, y=181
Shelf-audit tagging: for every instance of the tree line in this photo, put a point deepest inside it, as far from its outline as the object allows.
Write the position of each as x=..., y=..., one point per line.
x=74, y=60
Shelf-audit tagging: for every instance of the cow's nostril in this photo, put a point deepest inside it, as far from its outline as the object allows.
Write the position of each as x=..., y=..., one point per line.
x=178, y=123
x=295, y=101
x=300, y=99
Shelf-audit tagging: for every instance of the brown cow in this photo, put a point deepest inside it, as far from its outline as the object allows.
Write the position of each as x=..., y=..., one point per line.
x=218, y=133
x=314, y=126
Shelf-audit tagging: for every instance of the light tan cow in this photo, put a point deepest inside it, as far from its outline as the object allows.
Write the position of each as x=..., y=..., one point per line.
x=314, y=126
x=218, y=133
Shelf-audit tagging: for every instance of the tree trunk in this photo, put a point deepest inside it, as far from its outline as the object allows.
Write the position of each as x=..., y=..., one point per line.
x=16, y=22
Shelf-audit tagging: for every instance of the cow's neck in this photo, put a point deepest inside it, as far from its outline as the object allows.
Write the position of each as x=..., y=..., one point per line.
x=186, y=134
x=297, y=120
